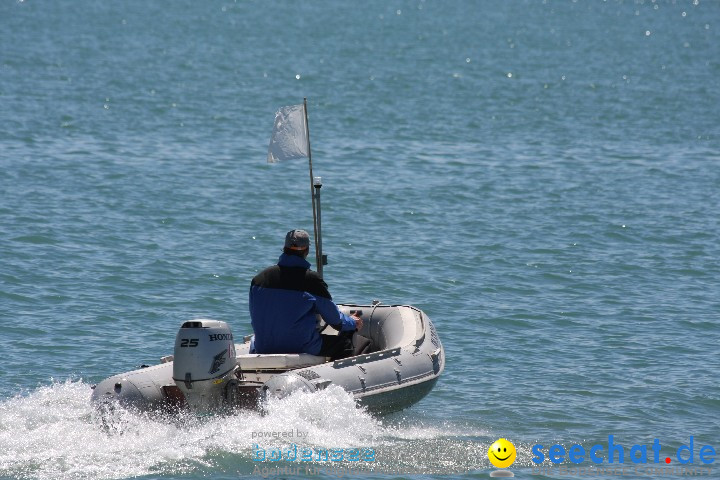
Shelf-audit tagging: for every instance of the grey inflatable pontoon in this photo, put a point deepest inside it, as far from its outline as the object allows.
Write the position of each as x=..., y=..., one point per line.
x=397, y=362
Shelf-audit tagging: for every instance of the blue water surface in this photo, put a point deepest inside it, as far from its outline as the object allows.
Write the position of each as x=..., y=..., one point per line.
x=542, y=178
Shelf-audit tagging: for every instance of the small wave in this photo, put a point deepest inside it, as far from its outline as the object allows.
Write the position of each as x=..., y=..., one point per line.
x=35, y=239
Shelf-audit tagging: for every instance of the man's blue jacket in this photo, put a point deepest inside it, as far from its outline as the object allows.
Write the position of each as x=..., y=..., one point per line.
x=284, y=299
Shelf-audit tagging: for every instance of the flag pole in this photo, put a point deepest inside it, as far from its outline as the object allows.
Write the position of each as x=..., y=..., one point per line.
x=318, y=258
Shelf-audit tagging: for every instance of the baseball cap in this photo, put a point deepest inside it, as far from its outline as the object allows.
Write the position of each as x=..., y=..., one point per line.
x=297, y=240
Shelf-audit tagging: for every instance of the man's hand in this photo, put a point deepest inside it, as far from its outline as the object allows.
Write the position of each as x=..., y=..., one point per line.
x=358, y=321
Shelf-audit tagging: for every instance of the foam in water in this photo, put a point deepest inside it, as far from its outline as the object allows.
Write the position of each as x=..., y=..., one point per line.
x=55, y=432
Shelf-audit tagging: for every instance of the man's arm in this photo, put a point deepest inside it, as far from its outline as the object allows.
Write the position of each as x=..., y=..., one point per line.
x=334, y=317
x=327, y=308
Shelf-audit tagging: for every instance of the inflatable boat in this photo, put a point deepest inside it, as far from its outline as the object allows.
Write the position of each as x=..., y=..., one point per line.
x=397, y=360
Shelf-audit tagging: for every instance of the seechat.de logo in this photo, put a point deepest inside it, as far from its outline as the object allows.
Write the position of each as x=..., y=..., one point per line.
x=617, y=453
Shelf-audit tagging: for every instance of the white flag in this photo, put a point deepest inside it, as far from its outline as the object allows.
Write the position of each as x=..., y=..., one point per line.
x=289, y=137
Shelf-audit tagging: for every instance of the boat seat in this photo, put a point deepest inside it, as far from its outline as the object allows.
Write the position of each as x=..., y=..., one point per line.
x=277, y=361
x=397, y=328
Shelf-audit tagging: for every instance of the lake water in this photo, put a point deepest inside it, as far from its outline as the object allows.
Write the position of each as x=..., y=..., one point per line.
x=542, y=178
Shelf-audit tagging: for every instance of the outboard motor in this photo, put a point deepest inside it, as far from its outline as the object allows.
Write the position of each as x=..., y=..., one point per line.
x=204, y=364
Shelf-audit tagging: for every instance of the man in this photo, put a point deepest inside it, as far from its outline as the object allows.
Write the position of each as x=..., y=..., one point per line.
x=284, y=301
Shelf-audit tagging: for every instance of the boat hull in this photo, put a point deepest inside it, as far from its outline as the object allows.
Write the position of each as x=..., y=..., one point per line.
x=400, y=365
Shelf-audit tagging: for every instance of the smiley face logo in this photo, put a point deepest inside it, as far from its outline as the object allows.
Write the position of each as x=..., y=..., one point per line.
x=502, y=453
